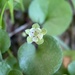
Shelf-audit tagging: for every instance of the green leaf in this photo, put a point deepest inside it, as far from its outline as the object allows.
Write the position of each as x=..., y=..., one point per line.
x=4, y=41
x=73, y=1
x=2, y=3
x=45, y=60
x=2, y=24
x=36, y=13
x=15, y=72
x=55, y=15
x=16, y=66
x=11, y=61
x=62, y=71
x=71, y=68
x=4, y=68
x=1, y=15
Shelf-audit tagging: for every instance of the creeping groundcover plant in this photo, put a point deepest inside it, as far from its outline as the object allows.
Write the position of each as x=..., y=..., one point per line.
x=41, y=53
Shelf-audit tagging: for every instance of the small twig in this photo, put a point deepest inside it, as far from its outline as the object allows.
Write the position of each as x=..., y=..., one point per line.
x=18, y=29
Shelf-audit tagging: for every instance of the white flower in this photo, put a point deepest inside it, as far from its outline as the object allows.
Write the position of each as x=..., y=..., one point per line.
x=35, y=34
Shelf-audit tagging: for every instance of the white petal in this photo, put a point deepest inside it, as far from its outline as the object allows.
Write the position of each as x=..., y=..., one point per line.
x=40, y=41
x=32, y=30
x=27, y=31
x=38, y=30
x=24, y=34
x=29, y=40
x=35, y=39
x=36, y=25
x=40, y=36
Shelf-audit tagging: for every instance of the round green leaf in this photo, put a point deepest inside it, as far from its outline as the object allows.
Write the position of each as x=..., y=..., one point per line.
x=36, y=13
x=4, y=68
x=73, y=1
x=15, y=72
x=4, y=41
x=55, y=15
x=59, y=17
x=11, y=61
x=71, y=68
x=16, y=66
x=46, y=60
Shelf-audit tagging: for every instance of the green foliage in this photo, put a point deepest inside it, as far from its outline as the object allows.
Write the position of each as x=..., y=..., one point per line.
x=4, y=68
x=11, y=8
x=62, y=71
x=73, y=1
x=21, y=4
x=11, y=61
x=2, y=26
x=46, y=60
x=0, y=56
x=71, y=68
x=35, y=12
x=15, y=72
x=16, y=66
x=55, y=15
x=4, y=41
x=2, y=3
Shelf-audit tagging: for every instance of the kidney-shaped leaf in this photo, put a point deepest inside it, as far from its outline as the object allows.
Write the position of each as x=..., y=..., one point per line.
x=36, y=13
x=15, y=72
x=11, y=61
x=55, y=14
x=73, y=1
x=4, y=68
x=71, y=68
x=4, y=41
x=45, y=60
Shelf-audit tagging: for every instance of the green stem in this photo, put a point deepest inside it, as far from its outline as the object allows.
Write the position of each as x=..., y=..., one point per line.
x=11, y=8
x=22, y=6
x=62, y=43
x=1, y=56
x=1, y=17
x=10, y=53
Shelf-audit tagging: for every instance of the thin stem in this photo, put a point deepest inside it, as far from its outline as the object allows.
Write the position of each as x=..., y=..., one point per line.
x=11, y=8
x=1, y=56
x=10, y=53
x=2, y=15
x=62, y=43
x=22, y=6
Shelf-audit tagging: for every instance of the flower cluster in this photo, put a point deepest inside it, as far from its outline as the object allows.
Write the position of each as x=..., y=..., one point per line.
x=35, y=34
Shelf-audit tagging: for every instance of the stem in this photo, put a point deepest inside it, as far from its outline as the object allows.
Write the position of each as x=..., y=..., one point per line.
x=2, y=15
x=62, y=43
x=22, y=6
x=1, y=56
x=11, y=8
x=10, y=53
